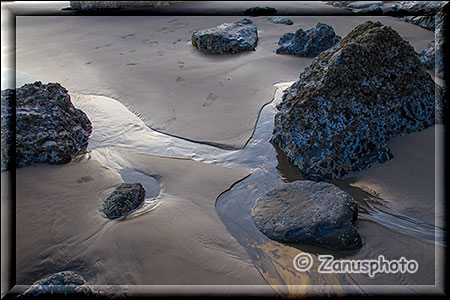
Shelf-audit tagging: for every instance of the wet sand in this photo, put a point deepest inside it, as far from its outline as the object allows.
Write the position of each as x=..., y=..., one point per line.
x=181, y=242
x=148, y=64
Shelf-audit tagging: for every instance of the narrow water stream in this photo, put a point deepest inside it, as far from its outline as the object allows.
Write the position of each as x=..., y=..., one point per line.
x=385, y=226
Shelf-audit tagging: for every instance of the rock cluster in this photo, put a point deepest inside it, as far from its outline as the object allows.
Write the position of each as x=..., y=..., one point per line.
x=351, y=100
x=102, y=5
x=61, y=283
x=260, y=11
x=309, y=43
x=123, y=200
x=49, y=129
x=308, y=212
x=421, y=13
x=280, y=20
x=227, y=38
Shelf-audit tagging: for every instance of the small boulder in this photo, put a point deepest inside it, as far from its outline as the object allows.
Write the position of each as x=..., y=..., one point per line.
x=260, y=11
x=227, y=38
x=374, y=10
x=317, y=213
x=123, y=200
x=353, y=98
x=309, y=43
x=280, y=20
x=61, y=283
x=49, y=129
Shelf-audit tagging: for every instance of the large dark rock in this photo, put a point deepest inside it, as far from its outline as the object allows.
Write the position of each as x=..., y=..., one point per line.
x=364, y=4
x=373, y=10
x=61, y=283
x=49, y=129
x=309, y=43
x=260, y=11
x=421, y=13
x=308, y=212
x=351, y=100
x=123, y=200
x=227, y=38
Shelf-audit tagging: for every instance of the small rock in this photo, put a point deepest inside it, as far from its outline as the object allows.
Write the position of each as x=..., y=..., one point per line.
x=49, y=129
x=123, y=200
x=227, y=38
x=61, y=283
x=260, y=11
x=309, y=43
x=427, y=56
x=308, y=212
x=371, y=10
x=280, y=20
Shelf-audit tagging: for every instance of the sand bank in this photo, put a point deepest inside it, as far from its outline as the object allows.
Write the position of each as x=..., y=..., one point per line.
x=149, y=64
x=180, y=242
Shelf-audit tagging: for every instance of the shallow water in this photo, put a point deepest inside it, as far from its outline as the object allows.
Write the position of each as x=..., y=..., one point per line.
x=386, y=226
x=386, y=223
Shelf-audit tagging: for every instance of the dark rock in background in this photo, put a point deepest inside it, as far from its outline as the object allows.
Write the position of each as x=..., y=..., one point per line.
x=309, y=43
x=280, y=20
x=123, y=200
x=49, y=129
x=227, y=38
x=351, y=100
x=260, y=11
x=308, y=212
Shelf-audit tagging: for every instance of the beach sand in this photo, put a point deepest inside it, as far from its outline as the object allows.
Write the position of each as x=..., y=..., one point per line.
x=148, y=64
x=181, y=242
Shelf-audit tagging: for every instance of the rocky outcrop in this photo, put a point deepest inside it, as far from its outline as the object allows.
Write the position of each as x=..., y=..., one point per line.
x=421, y=13
x=61, y=283
x=280, y=20
x=364, y=4
x=353, y=98
x=227, y=38
x=107, y=5
x=49, y=129
x=123, y=200
x=260, y=11
x=371, y=10
x=309, y=43
x=308, y=212
x=427, y=56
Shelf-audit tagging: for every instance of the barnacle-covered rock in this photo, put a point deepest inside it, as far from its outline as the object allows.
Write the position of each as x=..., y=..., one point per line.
x=280, y=20
x=61, y=283
x=351, y=100
x=308, y=212
x=227, y=37
x=123, y=200
x=49, y=129
x=309, y=43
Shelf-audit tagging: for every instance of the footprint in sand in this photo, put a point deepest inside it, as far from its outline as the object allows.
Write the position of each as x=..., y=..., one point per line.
x=128, y=35
x=160, y=53
x=179, y=79
x=180, y=64
x=209, y=100
x=173, y=20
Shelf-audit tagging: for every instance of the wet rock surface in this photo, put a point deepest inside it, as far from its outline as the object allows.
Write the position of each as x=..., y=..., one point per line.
x=260, y=11
x=353, y=98
x=308, y=212
x=123, y=200
x=308, y=43
x=280, y=20
x=49, y=129
x=61, y=283
x=227, y=38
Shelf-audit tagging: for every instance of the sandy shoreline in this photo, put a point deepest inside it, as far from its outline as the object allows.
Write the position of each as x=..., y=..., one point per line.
x=148, y=64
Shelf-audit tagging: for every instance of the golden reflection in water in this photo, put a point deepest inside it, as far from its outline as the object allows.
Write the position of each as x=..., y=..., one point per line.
x=275, y=263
